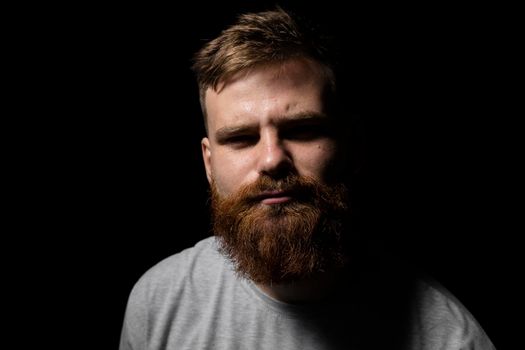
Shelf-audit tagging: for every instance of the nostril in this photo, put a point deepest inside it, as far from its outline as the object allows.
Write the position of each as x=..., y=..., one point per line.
x=279, y=170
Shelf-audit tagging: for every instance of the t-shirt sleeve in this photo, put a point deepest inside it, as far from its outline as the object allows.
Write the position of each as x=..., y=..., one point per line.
x=133, y=335
x=155, y=298
x=447, y=324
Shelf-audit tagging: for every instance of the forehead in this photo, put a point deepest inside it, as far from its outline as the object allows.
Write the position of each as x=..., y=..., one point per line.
x=293, y=71
x=269, y=91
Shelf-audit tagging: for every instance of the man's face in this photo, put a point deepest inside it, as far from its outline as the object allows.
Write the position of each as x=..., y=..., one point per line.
x=269, y=121
x=270, y=158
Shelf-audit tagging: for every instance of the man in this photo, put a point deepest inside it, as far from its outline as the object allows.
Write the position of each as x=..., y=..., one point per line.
x=284, y=269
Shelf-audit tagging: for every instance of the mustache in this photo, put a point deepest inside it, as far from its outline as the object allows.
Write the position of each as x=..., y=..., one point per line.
x=300, y=188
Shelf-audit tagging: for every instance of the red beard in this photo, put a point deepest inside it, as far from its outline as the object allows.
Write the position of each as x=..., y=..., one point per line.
x=284, y=242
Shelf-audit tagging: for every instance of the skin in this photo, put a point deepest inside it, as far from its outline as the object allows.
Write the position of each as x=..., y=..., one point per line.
x=270, y=120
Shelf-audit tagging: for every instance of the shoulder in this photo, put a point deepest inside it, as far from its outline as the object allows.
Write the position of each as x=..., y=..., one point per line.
x=438, y=305
x=177, y=269
x=164, y=287
x=443, y=321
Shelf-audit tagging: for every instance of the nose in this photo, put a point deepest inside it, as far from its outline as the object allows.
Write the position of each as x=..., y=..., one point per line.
x=274, y=159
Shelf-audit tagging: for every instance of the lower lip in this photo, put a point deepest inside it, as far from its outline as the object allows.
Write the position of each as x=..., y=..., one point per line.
x=275, y=200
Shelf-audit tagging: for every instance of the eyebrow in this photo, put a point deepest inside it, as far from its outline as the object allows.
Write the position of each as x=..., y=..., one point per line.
x=302, y=118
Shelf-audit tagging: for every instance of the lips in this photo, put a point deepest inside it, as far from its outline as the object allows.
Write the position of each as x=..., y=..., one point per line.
x=274, y=197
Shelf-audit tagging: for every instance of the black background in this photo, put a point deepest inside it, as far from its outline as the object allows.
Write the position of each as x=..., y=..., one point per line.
x=115, y=176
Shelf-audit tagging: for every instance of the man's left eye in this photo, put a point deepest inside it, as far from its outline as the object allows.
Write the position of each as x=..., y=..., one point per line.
x=305, y=132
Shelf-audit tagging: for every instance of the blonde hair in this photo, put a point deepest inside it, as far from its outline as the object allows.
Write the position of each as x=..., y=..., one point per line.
x=257, y=39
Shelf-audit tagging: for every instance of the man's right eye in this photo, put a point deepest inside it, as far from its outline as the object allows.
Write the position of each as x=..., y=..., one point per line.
x=242, y=140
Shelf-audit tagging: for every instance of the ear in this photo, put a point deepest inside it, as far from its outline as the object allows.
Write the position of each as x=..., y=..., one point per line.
x=206, y=156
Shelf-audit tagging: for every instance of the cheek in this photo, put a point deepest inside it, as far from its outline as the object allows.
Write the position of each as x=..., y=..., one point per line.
x=230, y=171
x=317, y=161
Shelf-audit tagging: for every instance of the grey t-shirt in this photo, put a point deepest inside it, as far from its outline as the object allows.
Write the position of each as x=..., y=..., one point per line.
x=194, y=300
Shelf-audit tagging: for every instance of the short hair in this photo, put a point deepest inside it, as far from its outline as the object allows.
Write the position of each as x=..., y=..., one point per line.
x=257, y=39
